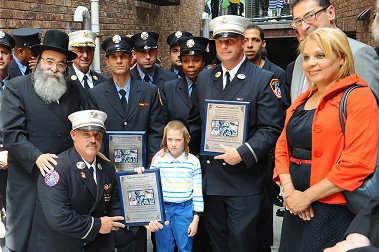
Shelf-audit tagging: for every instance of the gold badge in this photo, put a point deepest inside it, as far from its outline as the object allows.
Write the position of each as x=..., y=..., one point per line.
x=95, y=77
x=74, y=77
x=83, y=175
x=241, y=76
x=224, y=20
x=85, y=34
x=218, y=74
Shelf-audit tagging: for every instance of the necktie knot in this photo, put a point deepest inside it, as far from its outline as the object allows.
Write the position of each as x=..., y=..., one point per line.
x=27, y=71
x=227, y=77
x=122, y=93
x=146, y=78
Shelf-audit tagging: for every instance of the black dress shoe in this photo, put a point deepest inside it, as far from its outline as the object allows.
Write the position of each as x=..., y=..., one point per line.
x=280, y=212
x=278, y=201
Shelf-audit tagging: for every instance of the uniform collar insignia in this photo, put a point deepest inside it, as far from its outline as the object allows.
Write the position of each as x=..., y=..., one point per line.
x=241, y=76
x=99, y=166
x=80, y=165
x=74, y=77
x=218, y=74
x=95, y=77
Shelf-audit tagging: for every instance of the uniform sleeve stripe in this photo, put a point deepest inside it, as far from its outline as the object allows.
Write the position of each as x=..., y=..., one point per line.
x=89, y=230
x=252, y=152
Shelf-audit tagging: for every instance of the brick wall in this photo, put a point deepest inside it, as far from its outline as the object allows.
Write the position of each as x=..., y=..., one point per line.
x=347, y=12
x=116, y=17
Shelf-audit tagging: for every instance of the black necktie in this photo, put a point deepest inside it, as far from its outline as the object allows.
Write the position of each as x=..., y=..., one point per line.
x=91, y=181
x=146, y=78
x=85, y=79
x=123, y=99
x=27, y=71
x=227, y=75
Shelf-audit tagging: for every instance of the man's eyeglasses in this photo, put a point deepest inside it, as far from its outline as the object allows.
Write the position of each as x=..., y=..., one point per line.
x=50, y=63
x=307, y=18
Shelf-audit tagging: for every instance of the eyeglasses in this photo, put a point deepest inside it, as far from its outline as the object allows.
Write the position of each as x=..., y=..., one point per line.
x=50, y=63
x=307, y=18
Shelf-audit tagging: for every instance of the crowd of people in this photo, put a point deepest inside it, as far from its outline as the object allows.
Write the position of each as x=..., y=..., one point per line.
x=60, y=192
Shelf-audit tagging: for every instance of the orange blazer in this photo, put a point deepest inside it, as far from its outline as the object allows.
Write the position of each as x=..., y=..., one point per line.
x=357, y=148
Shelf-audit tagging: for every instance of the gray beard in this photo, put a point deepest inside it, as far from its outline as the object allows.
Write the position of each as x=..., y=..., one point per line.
x=47, y=88
x=375, y=31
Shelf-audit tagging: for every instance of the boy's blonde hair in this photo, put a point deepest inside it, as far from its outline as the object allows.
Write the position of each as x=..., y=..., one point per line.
x=176, y=125
x=333, y=41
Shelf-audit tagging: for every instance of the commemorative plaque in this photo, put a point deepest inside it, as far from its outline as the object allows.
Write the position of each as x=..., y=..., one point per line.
x=126, y=149
x=141, y=197
x=226, y=122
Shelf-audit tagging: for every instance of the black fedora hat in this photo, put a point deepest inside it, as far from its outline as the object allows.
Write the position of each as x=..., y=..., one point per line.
x=55, y=40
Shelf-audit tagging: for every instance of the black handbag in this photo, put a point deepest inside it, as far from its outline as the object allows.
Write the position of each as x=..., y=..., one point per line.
x=358, y=199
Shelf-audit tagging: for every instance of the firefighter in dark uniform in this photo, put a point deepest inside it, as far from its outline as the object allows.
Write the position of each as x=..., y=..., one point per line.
x=146, y=53
x=176, y=95
x=23, y=58
x=82, y=42
x=131, y=105
x=172, y=41
x=78, y=205
x=234, y=180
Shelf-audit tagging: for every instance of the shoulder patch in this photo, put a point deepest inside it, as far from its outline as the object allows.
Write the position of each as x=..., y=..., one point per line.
x=52, y=179
x=275, y=87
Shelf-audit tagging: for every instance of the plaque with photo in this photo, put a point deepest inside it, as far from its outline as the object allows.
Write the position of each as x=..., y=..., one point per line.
x=126, y=149
x=226, y=122
x=141, y=197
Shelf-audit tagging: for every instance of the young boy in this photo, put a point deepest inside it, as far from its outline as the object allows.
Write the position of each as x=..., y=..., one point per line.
x=181, y=179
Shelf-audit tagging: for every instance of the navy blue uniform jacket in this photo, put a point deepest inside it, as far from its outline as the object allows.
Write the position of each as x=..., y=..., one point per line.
x=68, y=214
x=254, y=85
x=144, y=111
x=160, y=76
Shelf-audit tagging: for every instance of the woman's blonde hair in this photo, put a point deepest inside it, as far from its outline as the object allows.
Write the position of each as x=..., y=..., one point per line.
x=333, y=42
x=176, y=125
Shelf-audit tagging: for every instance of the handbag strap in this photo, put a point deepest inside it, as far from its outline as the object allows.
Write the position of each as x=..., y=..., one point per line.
x=342, y=108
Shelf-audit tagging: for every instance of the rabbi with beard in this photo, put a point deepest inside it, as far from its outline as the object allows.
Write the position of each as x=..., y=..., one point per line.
x=36, y=128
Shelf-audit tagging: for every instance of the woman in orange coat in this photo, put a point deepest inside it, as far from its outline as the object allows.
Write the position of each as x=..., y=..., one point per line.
x=315, y=160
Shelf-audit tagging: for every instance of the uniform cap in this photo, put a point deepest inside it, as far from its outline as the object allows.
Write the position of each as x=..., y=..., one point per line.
x=193, y=45
x=27, y=36
x=173, y=38
x=7, y=40
x=82, y=38
x=88, y=120
x=228, y=26
x=117, y=43
x=145, y=41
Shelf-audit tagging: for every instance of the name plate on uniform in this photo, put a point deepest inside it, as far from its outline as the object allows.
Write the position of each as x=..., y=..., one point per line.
x=141, y=197
x=226, y=122
x=126, y=149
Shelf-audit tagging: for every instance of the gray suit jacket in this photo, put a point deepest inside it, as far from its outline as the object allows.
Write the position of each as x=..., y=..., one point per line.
x=366, y=65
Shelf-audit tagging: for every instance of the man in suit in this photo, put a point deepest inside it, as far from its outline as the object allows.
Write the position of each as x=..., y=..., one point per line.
x=6, y=44
x=146, y=53
x=23, y=57
x=78, y=204
x=83, y=44
x=172, y=41
x=35, y=128
x=131, y=105
x=234, y=180
x=308, y=15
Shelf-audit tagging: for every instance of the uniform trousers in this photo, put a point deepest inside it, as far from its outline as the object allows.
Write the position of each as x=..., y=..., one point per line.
x=233, y=222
